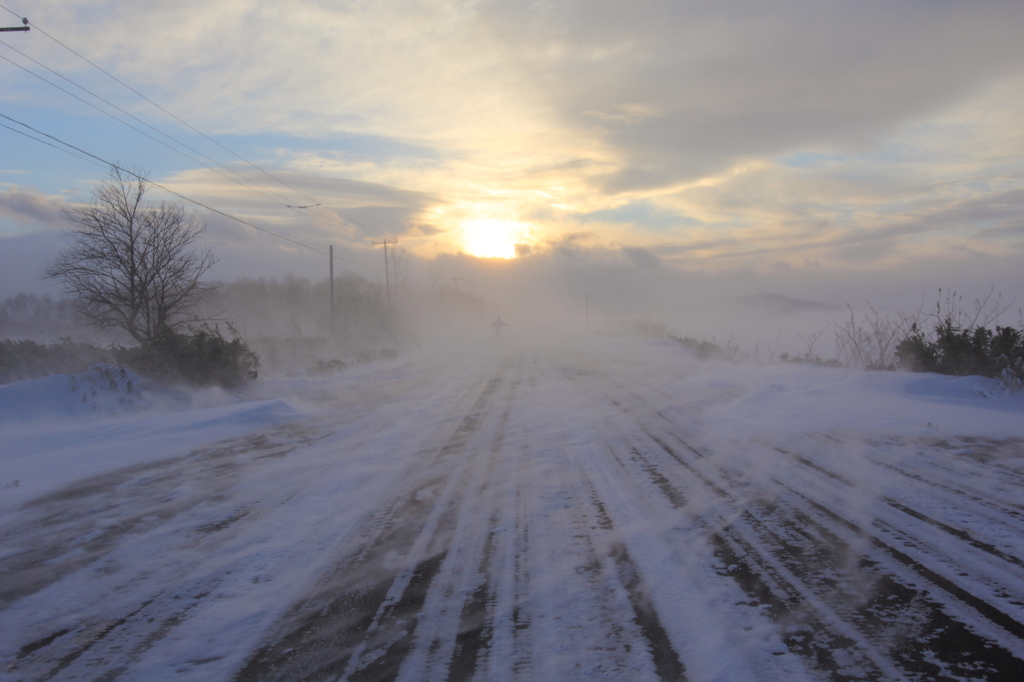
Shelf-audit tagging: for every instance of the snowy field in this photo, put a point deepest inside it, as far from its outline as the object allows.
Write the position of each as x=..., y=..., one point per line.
x=609, y=511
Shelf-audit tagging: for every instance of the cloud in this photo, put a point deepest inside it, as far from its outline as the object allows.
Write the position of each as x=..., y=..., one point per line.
x=641, y=258
x=338, y=208
x=22, y=259
x=32, y=208
x=428, y=230
x=724, y=135
x=743, y=79
x=1014, y=229
x=664, y=92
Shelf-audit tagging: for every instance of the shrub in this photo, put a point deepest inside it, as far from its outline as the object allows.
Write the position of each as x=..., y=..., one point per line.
x=963, y=351
x=202, y=357
x=701, y=349
x=24, y=360
x=325, y=368
x=916, y=354
x=370, y=355
x=809, y=359
x=871, y=342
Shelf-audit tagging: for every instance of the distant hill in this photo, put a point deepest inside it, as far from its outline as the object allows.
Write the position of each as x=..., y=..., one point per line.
x=777, y=304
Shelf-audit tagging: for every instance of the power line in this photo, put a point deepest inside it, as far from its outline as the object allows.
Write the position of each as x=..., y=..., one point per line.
x=62, y=149
x=354, y=223
x=107, y=113
x=142, y=132
x=111, y=164
x=183, y=122
x=129, y=114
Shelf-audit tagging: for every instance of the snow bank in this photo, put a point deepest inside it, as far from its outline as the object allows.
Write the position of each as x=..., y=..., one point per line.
x=781, y=399
x=55, y=429
x=102, y=388
x=63, y=428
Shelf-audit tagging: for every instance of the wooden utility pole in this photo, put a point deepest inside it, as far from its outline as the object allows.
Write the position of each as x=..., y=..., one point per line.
x=387, y=271
x=331, y=254
x=387, y=274
x=394, y=263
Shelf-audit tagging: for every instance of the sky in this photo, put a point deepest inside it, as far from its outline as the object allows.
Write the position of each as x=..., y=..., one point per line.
x=824, y=150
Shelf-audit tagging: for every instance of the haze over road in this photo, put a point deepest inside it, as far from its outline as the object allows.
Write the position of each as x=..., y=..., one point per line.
x=535, y=516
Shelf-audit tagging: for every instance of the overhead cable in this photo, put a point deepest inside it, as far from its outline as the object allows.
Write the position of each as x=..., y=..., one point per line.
x=280, y=201
x=353, y=223
x=111, y=164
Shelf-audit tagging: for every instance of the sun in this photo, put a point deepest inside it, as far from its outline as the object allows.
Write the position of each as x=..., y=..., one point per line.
x=492, y=238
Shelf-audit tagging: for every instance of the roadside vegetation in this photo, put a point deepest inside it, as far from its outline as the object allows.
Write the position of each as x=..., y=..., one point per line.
x=266, y=325
x=134, y=268
x=135, y=273
x=954, y=339
x=962, y=342
x=23, y=360
x=202, y=357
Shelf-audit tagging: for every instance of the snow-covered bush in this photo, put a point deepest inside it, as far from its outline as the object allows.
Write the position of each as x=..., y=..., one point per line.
x=962, y=345
x=202, y=357
x=103, y=385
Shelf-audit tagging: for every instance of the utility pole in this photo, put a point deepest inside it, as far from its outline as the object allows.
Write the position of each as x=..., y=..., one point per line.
x=387, y=274
x=387, y=271
x=456, y=280
x=331, y=255
x=394, y=264
x=16, y=28
x=586, y=316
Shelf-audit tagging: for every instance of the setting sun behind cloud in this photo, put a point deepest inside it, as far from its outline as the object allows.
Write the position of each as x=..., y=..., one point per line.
x=491, y=237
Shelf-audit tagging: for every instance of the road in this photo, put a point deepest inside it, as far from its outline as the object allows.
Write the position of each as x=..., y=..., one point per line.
x=521, y=517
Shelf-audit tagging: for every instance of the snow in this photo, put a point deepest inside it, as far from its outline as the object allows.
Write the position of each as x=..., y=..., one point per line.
x=608, y=508
x=64, y=428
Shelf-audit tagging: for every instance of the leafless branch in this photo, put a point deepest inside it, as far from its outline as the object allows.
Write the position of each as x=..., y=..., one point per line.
x=132, y=265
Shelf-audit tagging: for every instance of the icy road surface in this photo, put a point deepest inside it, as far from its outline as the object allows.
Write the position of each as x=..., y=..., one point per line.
x=615, y=513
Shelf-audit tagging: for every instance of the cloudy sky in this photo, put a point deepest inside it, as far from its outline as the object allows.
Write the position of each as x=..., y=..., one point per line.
x=814, y=148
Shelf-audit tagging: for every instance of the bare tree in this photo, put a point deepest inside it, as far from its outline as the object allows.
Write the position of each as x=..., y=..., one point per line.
x=810, y=339
x=872, y=343
x=132, y=265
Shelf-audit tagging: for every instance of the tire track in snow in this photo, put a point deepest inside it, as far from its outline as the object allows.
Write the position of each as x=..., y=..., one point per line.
x=504, y=556
x=943, y=640
x=360, y=623
x=1000, y=507
x=1001, y=491
x=976, y=573
x=761, y=568
x=474, y=630
x=495, y=609
x=958, y=533
x=658, y=565
x=142, y=499
x=507, y=651
x=448, y=613
x=521, y=529
x=71, y=528
x=181, y=598
x=949, y=633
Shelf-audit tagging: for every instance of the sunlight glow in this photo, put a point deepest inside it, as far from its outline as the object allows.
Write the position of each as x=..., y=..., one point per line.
x=492, y=238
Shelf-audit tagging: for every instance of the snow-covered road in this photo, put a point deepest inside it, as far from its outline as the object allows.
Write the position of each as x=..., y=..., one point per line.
x=619, y=512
